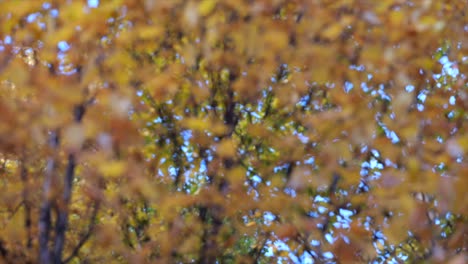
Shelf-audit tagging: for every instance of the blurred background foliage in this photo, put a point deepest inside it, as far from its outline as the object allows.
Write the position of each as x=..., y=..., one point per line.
x=233, y=131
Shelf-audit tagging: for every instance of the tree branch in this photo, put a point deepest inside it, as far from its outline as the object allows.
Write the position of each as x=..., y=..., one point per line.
x=44, y=215
x=87, y=234
x=27, y=205
x=62, y=219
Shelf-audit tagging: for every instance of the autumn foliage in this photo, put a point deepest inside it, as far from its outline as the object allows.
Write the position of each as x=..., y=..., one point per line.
x=234, y=131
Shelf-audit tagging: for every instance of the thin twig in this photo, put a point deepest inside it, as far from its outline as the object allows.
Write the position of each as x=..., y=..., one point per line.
x=259, y=251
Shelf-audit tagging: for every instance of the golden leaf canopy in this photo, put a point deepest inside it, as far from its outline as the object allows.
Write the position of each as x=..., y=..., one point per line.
x=208, y=131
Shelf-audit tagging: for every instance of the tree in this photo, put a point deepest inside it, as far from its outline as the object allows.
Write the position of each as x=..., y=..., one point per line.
x=233, y=131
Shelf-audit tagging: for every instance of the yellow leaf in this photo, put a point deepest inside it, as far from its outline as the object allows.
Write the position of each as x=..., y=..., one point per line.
x=74, y=136
x=332, y=32
x=13, y=231
x=402, y=103
x=206, y=6
x=150, y=32
x=189, y=245
x=396, y=18
x=414, y=168
x=226, y=148
x=257, y=130
x=304, y=176
x=463, y=142
x=112, y=168
x=276, y=39
x=321, y=75
x=251, y=223
x=236, y=175
x=456, y=147
x=428, y=22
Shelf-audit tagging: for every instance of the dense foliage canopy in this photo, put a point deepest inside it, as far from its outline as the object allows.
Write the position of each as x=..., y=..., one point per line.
x=234, y=131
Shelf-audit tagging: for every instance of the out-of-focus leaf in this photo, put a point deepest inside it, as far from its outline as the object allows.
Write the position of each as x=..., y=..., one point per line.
x=112, y=168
